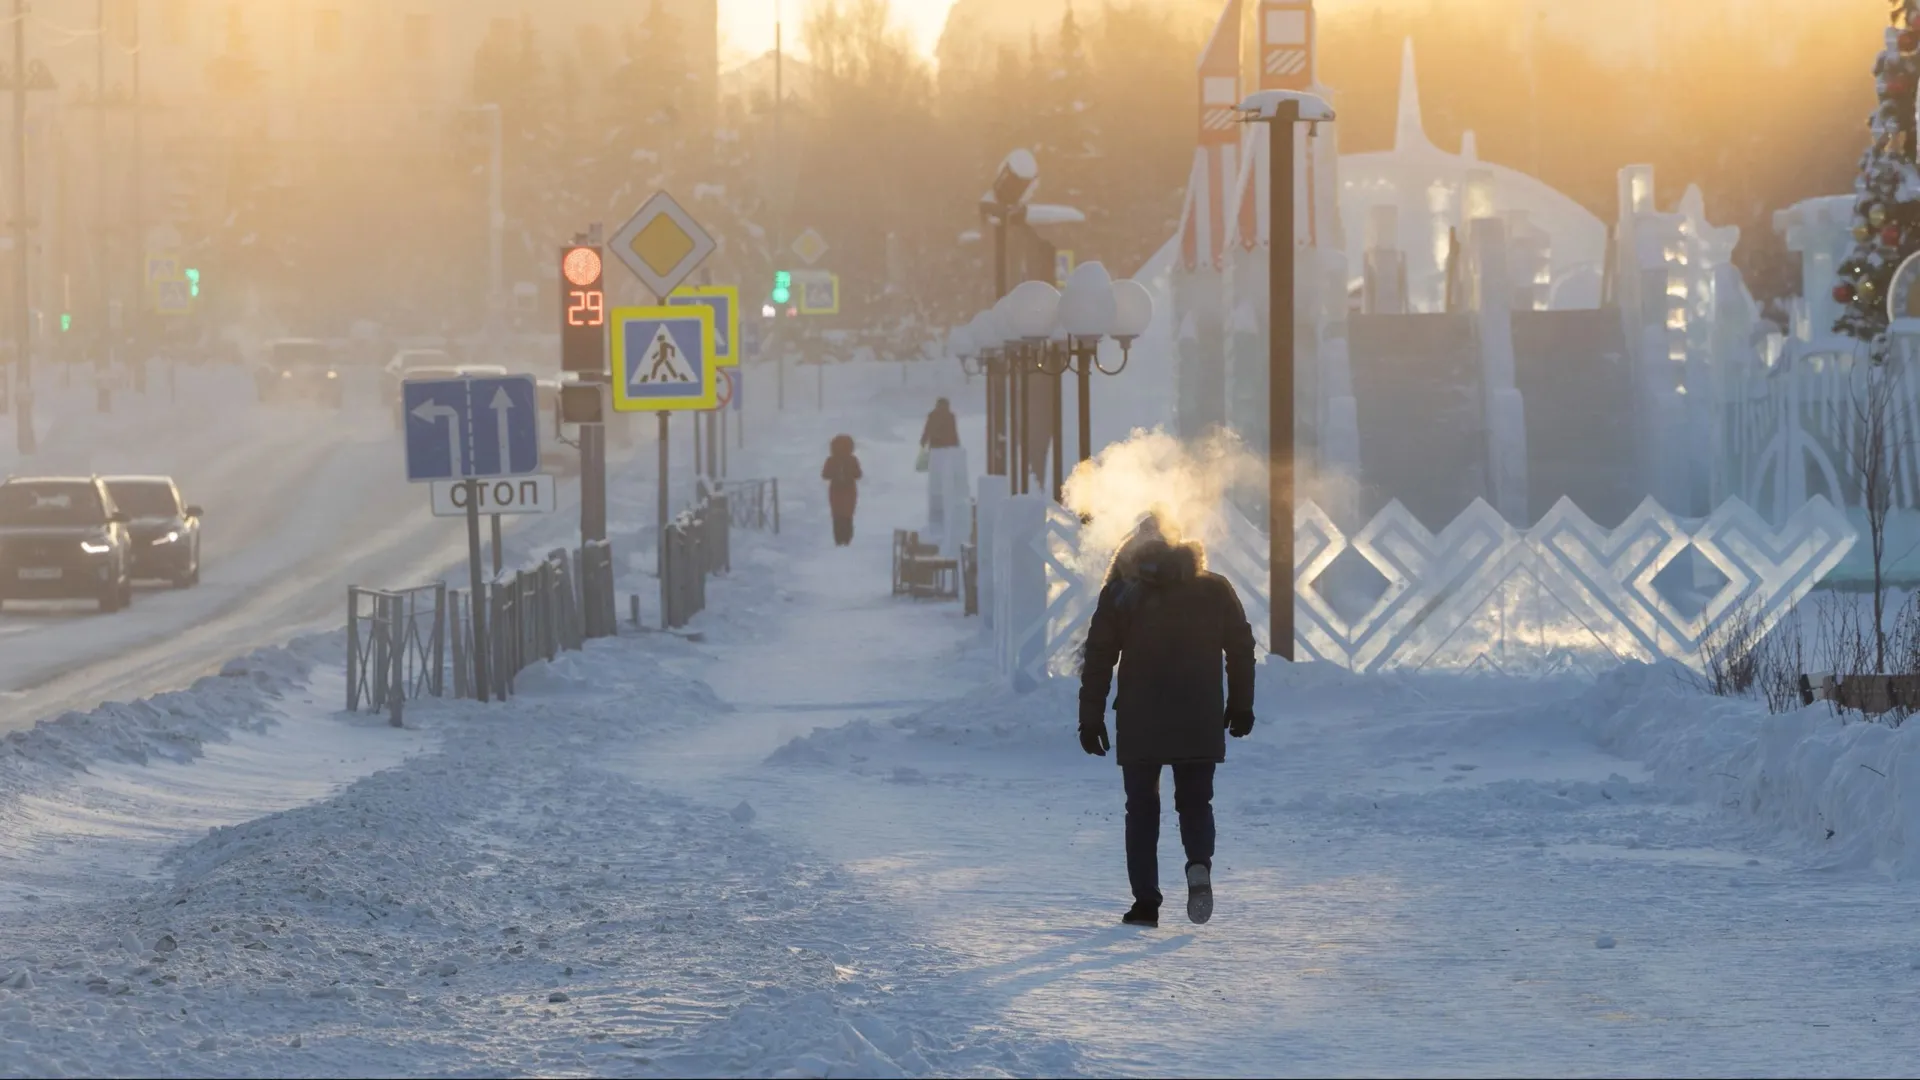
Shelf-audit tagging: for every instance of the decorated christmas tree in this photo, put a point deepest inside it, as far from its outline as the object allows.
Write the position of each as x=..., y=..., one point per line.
x=1886, y=211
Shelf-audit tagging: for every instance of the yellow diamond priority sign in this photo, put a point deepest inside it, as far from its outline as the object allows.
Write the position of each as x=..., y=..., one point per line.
x=662, y=244
x=810, y=246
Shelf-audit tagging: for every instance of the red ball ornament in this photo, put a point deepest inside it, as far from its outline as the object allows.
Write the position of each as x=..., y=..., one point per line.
x=1890, y=235
x=1843, y=293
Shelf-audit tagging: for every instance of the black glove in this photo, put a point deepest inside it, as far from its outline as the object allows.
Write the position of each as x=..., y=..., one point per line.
x=1239, y=723
x=1093, y=728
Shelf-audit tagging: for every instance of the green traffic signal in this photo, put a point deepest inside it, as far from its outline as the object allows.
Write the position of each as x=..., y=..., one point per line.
x=193, y=282
x=782, y=286
x=66, y=322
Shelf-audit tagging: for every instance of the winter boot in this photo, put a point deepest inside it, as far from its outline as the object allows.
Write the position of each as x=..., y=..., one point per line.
x=1141, y=915
x=1199, y=892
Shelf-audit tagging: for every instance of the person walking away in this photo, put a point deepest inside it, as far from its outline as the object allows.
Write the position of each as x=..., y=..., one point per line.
x=939, y=443
x=1170, y=625
x=842, y=474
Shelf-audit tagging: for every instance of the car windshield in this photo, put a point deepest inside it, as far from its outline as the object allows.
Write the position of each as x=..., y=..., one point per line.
x=289, y=354
x=144, y=498
x=51, y=503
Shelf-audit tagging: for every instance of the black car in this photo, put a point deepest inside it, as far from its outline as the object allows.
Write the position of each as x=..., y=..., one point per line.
x=62, y=538
x=165, y=532
x=300, y=370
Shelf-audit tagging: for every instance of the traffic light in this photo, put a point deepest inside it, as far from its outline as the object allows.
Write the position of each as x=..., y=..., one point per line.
x=66, y=322
x=193, y=283
x=583, y=310
x=782, y=286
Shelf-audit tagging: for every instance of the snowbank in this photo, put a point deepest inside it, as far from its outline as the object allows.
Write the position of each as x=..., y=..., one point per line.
x=1847, y=793
x=173, y=726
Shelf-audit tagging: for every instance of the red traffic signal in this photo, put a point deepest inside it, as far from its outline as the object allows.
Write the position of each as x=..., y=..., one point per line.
x=583, y=309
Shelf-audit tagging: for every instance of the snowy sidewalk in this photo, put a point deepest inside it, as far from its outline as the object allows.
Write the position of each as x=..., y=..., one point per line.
x=1434, y=876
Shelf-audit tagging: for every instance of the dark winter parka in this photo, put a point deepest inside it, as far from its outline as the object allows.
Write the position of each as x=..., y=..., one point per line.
x=842, y=474
x=942, y=430
x=1171, y=626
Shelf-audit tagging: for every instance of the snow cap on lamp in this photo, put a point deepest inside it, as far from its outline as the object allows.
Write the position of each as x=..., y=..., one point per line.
x=1028, y=311
x=985, y=331
x=1133, y=309
x=1087, y=305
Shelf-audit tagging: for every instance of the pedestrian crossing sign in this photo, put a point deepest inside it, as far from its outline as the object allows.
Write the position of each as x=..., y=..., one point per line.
x=725, y=302
x=664, y=359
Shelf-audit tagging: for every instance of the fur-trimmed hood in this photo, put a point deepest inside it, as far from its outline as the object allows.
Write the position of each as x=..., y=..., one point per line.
x=1148, y=559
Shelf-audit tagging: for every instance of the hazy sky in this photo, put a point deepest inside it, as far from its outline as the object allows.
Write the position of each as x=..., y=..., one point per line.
x=746, y=26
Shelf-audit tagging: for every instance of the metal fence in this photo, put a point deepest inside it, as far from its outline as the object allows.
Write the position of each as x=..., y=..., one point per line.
x=755, y=504
x=395, y=647
x=697, y=545
x=532, y=614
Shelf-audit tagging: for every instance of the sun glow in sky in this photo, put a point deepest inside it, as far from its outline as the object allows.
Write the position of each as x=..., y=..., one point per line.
x=746, y=26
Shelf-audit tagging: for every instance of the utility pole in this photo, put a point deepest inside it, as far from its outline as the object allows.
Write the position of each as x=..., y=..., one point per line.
x=138, y=308
x=22, y=304
x=103, y=250
x=1280, y=365
x=496, y=213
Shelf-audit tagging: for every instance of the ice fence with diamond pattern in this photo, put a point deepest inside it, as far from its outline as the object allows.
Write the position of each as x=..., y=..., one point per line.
x=1481, y=594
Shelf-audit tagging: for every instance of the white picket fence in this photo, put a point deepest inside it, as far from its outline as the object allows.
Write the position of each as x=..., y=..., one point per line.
x=1480, y=595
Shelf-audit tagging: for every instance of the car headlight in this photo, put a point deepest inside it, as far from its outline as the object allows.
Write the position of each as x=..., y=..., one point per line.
x=333, y=374
x=286, y=374
x=95, y=547
x=169, y=538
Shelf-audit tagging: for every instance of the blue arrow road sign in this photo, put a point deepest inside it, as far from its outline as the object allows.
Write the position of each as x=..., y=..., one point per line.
x=471, y=428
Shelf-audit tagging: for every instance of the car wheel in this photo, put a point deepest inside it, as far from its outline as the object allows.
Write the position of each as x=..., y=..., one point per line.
x=110, y=601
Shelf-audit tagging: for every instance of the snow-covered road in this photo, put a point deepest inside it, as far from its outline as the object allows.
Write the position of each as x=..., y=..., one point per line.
x=299, y=502
x=821, y=841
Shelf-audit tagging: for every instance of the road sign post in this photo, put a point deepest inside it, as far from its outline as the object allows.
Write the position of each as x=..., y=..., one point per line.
x=662, y=364
x=477, y=598
x=472, y=430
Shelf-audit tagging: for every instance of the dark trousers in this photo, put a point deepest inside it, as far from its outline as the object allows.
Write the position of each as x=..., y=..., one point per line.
x=1192, y=800
x=843, y=529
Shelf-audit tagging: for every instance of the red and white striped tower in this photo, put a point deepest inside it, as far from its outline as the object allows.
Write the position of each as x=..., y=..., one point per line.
x=1288, y=60
x=1198, y=284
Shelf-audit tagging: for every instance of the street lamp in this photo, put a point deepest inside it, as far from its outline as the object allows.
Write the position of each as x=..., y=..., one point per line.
x=1031, y=314
x=1011, y=354
x=1004, y=202
x=1281, y=110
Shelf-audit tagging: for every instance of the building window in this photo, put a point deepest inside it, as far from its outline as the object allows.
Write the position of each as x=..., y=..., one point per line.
x=419, y=37
x=327, y=33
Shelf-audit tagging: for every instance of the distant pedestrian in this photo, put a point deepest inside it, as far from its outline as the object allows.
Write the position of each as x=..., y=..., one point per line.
x=942, y=431
x=1170, y=625
x=842, y=474
x=946, y=467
